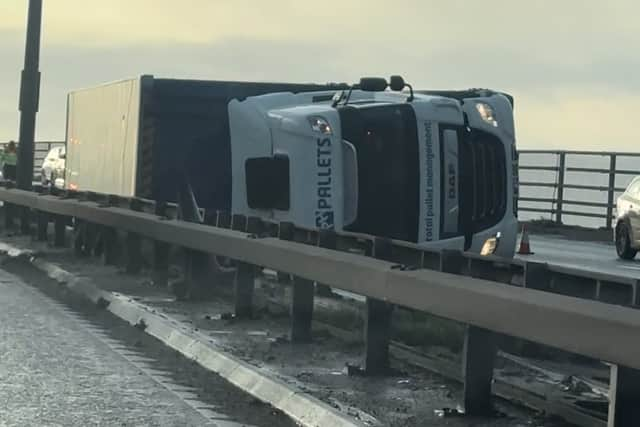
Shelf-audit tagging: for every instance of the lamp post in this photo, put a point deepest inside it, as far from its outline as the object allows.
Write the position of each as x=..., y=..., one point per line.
x=29, y=97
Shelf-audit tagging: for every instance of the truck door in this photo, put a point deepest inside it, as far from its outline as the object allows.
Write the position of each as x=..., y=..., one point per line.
x=315, y=168
x=251, y=159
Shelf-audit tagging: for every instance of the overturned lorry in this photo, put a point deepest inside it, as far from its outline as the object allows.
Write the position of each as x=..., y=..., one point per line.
x=431, y=167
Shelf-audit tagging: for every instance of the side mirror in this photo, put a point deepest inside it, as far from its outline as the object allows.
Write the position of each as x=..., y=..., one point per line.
x=373, y=84
x=396, y=83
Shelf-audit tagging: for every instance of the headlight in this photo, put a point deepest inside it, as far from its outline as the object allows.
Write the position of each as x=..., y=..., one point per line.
x=490, y=245
x=486, y=113
x=321, y=125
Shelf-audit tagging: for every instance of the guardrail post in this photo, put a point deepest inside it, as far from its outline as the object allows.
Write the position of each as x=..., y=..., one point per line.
x=110, y=242
x=378, y=322
x=79, y=234
x=94, y=239
x=134, y=245
x=196, y=273
x=560, y=187
x=8, y=209
x=452, y=261
x=302, y=294
x=243, y=283
x=537, y=276
x=109, y=235
x=60, y=231
x=624, y=397
x=110, y=252
x=282, y=276
x=611, y=191
x=160, y=275
x=326, y=239
x=91, y=238
x=8, y=216
x=480, y=350
x=25, y=220
x=79, y=228
x=43, y=226
x=43, y=220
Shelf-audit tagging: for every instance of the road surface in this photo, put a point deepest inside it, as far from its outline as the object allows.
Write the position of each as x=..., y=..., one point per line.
x=592, y=256
x=58, y=369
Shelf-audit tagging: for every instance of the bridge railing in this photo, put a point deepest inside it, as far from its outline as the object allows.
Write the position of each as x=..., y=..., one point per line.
x=582, y=184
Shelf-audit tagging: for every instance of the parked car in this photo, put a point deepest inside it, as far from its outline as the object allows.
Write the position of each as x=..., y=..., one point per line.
x=627, y=231
x=53, y=166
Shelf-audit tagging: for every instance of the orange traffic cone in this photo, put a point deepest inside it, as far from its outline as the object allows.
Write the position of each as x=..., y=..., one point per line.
x=525, y=248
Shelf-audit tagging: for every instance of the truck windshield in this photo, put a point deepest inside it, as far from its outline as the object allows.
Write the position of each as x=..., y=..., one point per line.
x=386, y=142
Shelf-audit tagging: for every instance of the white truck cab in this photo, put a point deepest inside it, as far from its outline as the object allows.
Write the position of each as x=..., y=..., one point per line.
x=435, y=169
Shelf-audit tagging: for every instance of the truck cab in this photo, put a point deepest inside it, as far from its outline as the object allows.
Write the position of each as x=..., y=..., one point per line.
x=432, y=168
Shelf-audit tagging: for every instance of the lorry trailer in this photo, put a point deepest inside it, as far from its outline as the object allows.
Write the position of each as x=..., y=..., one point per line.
x=431, y=167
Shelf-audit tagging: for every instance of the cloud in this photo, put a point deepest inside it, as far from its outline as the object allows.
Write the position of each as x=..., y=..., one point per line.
x=588, y=120
x=548, y=26
x=561, y=60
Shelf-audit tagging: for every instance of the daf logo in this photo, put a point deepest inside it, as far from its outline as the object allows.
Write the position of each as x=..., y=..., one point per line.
x=452, y=181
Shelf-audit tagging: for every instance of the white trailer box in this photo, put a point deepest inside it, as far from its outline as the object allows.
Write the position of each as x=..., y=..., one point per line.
x=102, y=138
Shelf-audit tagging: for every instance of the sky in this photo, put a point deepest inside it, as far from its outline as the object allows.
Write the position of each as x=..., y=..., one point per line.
x=572, y=65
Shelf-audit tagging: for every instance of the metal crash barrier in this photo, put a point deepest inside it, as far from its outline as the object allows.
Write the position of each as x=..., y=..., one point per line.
x=591, y=315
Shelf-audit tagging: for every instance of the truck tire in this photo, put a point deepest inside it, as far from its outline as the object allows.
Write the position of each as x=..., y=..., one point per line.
x=623, y=242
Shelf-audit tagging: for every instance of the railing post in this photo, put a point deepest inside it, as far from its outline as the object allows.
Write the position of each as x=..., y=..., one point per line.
x=91, y=239
x=110, y=246
x=537, y=276
x=479, y=354
x=160, y=275
x=8, y=216
x=134, y=245
x=624, y=397
x=25, y=220
x=327, y=240
x=196, y=274
x=301, y=297
x=43, y=220
x=452, y=261
x=79, y=235
x=560, y=186
x=108, y=237
x=243, y=283
x=378, y=322
x=60, y=231
x=43, y=226
x=611, y=192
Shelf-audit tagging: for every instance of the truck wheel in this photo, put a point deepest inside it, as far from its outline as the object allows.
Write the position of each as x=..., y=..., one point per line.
x=623, y=242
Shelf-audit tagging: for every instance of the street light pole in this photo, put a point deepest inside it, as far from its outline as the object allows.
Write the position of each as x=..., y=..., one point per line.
x=29, y=98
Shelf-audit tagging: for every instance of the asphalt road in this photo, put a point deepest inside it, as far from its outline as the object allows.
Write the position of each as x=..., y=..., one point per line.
x=58, y=369
x=592, y=256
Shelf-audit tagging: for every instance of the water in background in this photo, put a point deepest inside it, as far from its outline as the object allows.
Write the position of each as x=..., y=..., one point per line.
x=583, y=178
